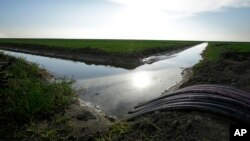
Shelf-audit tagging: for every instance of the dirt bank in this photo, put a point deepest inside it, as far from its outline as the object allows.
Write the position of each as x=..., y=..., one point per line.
x=187, y=73
x=232, y=68
x=171, y=126
x=101, y=59
x=93, y=56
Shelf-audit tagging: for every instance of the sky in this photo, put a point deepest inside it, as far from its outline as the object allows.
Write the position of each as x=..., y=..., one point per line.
x=218, y=20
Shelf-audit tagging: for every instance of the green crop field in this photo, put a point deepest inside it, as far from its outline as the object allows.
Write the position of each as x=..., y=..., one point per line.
x=113, y=46
x=214, y=49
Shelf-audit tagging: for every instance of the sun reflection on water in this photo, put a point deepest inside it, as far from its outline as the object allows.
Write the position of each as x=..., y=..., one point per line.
x=141, y=79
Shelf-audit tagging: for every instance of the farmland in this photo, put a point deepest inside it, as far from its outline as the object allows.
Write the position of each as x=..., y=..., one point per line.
x=110, y=46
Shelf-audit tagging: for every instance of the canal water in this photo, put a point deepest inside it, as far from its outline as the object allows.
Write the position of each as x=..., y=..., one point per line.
x=116, y=90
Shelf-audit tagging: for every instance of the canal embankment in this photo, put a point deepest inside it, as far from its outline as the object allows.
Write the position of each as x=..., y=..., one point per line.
x=119, y=53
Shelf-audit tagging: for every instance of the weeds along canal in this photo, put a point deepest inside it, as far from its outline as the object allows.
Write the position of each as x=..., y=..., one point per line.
x=116, y=90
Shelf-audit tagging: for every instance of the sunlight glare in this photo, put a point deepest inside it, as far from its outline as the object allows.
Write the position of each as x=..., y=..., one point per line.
x=141, y=80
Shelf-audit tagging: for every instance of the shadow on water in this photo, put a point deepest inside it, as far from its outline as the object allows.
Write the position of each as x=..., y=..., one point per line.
x=117, y=90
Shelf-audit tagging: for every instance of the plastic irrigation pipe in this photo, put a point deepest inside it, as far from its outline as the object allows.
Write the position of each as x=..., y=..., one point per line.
x=217, y=86
x=200, y=106
x=227, y=93
x=197, y=97
x=218, y=90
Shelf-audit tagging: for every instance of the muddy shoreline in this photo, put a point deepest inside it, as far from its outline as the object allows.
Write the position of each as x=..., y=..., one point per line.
x=232, y=68
x=128, y=63
x=186, y=75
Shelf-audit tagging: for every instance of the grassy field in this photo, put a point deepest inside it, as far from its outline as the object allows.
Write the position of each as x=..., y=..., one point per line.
x=224, y=63
x=28, y=97
x=215, y=49
x=112, y=46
